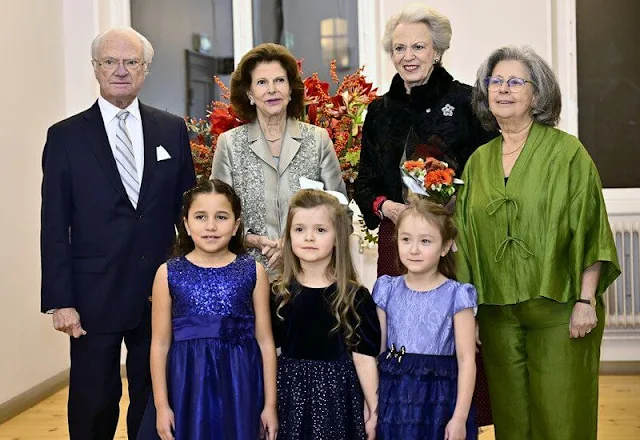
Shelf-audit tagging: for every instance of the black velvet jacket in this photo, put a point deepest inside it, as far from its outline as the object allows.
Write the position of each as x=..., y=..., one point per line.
x=435, y=119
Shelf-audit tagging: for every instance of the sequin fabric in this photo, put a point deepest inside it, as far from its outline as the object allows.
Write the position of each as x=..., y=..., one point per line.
x=248, y=181
x=306, y=162
x=202, y=291
x=319, y=400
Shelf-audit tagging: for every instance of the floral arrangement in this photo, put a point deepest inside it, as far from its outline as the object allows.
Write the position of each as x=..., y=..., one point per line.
x=220, y=118
x=430, y=177
x=342, y=115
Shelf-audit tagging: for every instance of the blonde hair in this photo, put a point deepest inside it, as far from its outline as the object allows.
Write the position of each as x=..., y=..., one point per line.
x=442, y=219
x=340, y=269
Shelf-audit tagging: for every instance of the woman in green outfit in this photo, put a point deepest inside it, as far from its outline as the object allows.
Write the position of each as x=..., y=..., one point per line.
x=536, y=242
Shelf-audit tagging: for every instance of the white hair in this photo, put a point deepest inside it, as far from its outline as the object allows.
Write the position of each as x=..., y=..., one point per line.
x=147, y=49
x=438, y=25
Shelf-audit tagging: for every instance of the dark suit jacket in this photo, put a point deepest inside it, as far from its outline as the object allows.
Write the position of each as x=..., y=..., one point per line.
x=99, y=254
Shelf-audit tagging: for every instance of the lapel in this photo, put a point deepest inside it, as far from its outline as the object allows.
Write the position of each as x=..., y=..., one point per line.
x=290, y=145
x=97, y=136
x=151, y=135
x=258, y=143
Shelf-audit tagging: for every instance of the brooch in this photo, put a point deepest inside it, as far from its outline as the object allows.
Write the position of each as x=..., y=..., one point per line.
x=448, y=109
x=398, y=354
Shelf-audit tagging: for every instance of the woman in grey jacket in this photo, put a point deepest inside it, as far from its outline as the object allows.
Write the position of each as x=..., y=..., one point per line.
x=264, y=159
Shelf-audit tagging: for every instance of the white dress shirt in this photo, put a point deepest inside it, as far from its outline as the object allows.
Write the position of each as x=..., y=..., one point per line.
x=134, y=127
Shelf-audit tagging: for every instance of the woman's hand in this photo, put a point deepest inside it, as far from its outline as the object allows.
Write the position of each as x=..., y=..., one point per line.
x=272, y=250
x=392, y=210
x=165, y=423
x=456, y=429
x=269, y=419
x=583, y=320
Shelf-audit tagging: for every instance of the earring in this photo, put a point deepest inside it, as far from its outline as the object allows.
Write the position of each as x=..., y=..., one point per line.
x=435, y=60
x=251, y=100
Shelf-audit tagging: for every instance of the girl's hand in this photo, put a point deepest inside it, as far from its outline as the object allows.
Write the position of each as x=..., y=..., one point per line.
x=583, y=320
x=392, y=210
x=269, y=419
x=165, y=423
x=370, y=424
x=456, y=429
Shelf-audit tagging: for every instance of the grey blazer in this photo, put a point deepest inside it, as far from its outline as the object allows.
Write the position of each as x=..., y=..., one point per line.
x=244, y=161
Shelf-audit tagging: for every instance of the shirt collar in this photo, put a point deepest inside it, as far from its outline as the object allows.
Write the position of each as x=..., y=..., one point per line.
x=109, y=111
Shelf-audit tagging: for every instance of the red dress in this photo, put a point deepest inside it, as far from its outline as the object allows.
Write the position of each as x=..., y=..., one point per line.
x=389, y=264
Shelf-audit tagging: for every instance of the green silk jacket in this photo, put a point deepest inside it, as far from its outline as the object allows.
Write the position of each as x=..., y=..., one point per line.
x=535, y=235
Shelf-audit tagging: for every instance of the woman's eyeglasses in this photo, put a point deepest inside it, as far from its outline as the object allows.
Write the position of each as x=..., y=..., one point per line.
x=515, y=84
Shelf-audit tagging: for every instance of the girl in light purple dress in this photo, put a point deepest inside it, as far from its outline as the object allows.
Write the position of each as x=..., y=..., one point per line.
x=427, y=366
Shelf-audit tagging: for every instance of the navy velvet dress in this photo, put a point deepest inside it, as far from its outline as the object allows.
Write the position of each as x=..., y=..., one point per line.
x=319, y=394
x=214, y=365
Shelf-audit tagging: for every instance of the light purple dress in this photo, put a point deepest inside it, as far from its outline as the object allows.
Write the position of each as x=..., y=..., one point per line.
x=422, y=322
x=419, y=377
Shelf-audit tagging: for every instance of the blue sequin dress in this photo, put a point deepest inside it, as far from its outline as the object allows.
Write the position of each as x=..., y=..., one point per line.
x=214, y=365
x=419, y=377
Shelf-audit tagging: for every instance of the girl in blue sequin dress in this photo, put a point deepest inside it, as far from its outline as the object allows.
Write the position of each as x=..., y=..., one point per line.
x=327, y=326
x=213, y=361
x=427, y=368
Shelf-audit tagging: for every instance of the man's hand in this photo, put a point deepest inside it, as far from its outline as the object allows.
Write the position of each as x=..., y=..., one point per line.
x=67, y=320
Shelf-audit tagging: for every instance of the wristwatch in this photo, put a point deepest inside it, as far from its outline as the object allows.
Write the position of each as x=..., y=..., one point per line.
x=591, y=302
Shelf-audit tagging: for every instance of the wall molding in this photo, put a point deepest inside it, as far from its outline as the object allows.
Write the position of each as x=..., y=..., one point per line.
x=33, y=396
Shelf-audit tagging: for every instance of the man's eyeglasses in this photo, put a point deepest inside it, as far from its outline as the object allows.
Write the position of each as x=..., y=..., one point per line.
x=110, y=64
x=494, y=83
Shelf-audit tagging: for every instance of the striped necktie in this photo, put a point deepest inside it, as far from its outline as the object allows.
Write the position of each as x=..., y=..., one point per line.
x=125, y=160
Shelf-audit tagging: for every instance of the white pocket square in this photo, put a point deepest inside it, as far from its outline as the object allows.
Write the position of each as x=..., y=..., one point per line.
x=162, y=154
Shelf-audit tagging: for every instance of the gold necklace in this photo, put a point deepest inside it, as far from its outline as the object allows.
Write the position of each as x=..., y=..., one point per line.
x=274, y=140
x=517, y=149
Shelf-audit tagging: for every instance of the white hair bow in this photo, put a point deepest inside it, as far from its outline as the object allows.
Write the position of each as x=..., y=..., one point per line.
x=314, y=184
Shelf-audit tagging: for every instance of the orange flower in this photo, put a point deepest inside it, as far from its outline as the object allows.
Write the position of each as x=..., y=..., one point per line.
x=439, y=177
x=411, y=165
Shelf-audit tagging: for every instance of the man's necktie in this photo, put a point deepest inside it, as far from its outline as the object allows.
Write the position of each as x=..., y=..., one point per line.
x=125, y=159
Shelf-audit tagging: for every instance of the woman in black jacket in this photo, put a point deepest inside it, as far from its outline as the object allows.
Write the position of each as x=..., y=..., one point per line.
x=425, y=113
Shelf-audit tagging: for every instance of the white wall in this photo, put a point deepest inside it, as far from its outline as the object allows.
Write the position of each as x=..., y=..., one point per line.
x=47, y=76
x=34, y=97
x=478, y=28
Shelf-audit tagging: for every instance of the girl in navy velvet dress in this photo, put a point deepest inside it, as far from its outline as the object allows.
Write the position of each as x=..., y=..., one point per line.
x=213, y=361
x=427, y=368
x=327, y=326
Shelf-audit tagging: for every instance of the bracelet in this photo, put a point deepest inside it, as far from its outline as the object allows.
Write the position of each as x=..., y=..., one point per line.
x=377, y=206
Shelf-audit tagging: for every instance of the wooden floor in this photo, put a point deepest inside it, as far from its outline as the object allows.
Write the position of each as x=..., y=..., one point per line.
x=619, y=415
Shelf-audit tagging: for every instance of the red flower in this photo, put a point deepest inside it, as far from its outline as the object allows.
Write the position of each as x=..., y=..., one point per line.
x=315, y=89
x=223, y=119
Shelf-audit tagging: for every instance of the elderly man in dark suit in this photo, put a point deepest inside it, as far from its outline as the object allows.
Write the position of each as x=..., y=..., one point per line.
x=113, y=181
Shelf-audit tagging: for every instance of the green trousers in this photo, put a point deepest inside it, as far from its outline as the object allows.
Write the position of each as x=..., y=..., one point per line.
x=543, y=384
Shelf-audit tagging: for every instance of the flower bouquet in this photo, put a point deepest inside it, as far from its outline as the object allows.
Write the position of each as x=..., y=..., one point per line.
x=431, y=178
